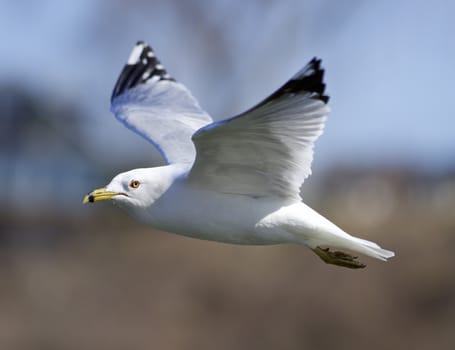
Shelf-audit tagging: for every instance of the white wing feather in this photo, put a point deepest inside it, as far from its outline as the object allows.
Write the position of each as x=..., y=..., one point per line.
x=148, y=101
x=268, y=150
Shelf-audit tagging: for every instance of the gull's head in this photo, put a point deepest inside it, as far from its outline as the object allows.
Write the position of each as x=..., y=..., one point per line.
x=136, y=188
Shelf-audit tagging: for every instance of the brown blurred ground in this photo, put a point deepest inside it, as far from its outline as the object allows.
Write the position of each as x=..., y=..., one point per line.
x=106, y=282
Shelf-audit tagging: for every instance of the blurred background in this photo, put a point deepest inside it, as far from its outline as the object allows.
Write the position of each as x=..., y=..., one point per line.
x=89, y=277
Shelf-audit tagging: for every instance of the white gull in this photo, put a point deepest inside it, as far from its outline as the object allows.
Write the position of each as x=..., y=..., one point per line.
x=237, y=180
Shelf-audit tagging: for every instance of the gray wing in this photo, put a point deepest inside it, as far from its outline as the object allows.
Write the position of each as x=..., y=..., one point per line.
x=267, y=150
x=148, y=101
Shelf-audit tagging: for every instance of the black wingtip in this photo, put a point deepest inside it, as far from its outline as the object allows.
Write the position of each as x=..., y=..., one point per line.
x=311, y=79
x=308, y=80
x=142, y=65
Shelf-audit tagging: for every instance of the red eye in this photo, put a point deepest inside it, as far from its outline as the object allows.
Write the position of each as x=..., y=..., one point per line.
x=134, y=184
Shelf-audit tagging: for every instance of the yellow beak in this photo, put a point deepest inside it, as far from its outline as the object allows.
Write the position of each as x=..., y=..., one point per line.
x=101, y=194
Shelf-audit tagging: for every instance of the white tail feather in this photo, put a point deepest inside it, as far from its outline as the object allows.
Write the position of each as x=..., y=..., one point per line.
x=372, y=249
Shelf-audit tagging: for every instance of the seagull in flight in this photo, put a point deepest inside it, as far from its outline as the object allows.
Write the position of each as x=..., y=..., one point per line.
x=236, y=180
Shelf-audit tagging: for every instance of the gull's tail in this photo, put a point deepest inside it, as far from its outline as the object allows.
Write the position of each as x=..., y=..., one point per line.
x=342, y=242
x=371, y=249
x=329, y=241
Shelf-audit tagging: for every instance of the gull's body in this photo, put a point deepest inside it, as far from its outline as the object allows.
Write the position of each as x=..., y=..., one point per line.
x=209, y=215
x=235, y=181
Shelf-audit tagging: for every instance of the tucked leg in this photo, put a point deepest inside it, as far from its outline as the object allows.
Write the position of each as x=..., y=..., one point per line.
x=338, y=258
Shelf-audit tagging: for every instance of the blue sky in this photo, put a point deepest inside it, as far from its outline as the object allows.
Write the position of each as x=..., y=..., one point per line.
x=389, y=66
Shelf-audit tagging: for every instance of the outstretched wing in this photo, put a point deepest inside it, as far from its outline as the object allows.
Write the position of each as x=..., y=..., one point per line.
x=148, y=101
x=267, y=150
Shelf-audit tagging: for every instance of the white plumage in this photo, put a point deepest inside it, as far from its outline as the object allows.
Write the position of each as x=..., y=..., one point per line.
x=237, y=180
x=265, y=151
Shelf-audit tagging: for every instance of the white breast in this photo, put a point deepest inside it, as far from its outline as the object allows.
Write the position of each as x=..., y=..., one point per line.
x=209, y=215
